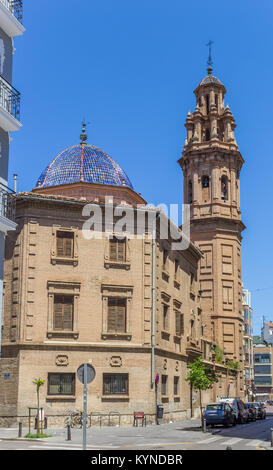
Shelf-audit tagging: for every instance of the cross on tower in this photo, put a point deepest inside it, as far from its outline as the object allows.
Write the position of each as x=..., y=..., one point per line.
x=209, y=62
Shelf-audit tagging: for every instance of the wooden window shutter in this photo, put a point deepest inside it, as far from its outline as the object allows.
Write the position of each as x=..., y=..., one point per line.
x=116, y=315
x=111, y=318
x=121, y=318
x=121, y=250
x=58, y=313
x=117, y=250
x=63, y=313
x=65, y=244
x=68, y=314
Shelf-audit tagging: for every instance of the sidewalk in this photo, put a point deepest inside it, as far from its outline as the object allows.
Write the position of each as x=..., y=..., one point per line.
x=109, y=437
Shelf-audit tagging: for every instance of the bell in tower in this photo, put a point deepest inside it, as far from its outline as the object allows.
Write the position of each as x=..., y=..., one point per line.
x=211, y=165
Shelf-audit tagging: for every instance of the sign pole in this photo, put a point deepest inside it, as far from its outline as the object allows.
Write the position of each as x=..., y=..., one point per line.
x=86, y=374
x=84, y=406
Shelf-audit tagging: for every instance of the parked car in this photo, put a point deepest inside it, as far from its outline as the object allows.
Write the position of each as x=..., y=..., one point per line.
x=219, y=413
x=252, y=411
x=261, y=412
x=239, y=408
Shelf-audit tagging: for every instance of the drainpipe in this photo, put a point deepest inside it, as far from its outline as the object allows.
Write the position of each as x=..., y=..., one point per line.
x=153, y=300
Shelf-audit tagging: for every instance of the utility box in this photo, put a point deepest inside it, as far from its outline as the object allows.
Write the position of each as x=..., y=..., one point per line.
x=160, y=411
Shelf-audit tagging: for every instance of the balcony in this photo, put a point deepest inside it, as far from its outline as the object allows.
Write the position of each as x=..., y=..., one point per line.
x=7, y=209
x=9, y=106
x=11, y=15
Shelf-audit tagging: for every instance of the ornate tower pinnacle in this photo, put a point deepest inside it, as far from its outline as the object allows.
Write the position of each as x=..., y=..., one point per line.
x=209, y=63
x=83, y=135
x=211, y=164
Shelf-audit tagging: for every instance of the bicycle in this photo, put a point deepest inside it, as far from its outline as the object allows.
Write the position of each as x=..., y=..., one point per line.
x=75, y=420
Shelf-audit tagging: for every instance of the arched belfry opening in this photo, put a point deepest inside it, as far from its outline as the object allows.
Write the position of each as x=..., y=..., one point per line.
x=224, y=188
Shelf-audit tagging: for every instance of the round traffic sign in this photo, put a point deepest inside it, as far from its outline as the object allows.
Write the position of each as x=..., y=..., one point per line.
x=90, y=373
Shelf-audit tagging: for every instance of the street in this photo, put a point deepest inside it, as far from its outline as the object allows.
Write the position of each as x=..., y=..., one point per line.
x=185, y=435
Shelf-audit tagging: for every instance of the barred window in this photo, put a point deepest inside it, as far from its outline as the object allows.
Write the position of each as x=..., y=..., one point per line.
x=117, y=249
x=63, y=312
x=61, y=384
x=116, y=315
x=115, y=384
x=65, y=244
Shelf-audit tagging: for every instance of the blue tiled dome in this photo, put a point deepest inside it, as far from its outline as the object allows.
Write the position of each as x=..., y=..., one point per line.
x=85, y=163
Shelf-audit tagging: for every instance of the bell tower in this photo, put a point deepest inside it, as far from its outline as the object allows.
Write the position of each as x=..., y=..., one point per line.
x=211, y=164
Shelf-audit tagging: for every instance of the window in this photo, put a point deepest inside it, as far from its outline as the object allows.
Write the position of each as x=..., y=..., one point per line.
x=192, y=329
x=224, y=188
x=190, y=192
x=117, y=249
x=65, y=244
x=176, y=269
x=175, y=386
x=205, y=181
x=179, y=323
x=207, y=103
x=61, y=384
x=115, y=384
x=260, y=380
x=207, y=135
x=216, y=406
x=165, y=317
x=165, y=259
x=116, y=315
x=164, y=380
x=192, y=284
x=63, y=312
x=216, y=100
x=262, y=369
x=262, y=358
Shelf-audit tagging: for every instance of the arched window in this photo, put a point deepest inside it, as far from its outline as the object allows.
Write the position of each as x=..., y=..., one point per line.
x=205, y=181
x=190, y=192
x=207, y=135
x=224, y=188
x=207, y=103
x=205, y=188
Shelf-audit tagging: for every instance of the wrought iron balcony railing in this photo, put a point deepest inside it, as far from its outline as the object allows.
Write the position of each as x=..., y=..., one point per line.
x=10, y=98
x=7, y=203
x=15, y=7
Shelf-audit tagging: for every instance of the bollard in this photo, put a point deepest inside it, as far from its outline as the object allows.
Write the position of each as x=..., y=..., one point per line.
x=204, y=425
x=68, y=432
x=20, y=429
x=271, y=434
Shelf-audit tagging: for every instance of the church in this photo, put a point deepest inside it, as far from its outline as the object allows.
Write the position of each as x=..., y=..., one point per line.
x=135, y=308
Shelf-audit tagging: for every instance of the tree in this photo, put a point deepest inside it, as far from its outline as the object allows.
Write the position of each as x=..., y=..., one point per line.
x=39, y=383
x=201, y=377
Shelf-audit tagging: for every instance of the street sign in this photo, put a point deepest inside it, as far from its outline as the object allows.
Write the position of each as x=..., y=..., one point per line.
x=86, y=374
x=157, y=379
x=90, y=373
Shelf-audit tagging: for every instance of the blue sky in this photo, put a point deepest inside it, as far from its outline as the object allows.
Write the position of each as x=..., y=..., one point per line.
x=130, y=68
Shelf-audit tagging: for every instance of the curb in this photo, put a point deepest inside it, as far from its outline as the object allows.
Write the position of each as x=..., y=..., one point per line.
x=23, y=439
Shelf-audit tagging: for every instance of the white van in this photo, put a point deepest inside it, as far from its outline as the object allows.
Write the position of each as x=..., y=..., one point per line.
x=238, y=406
